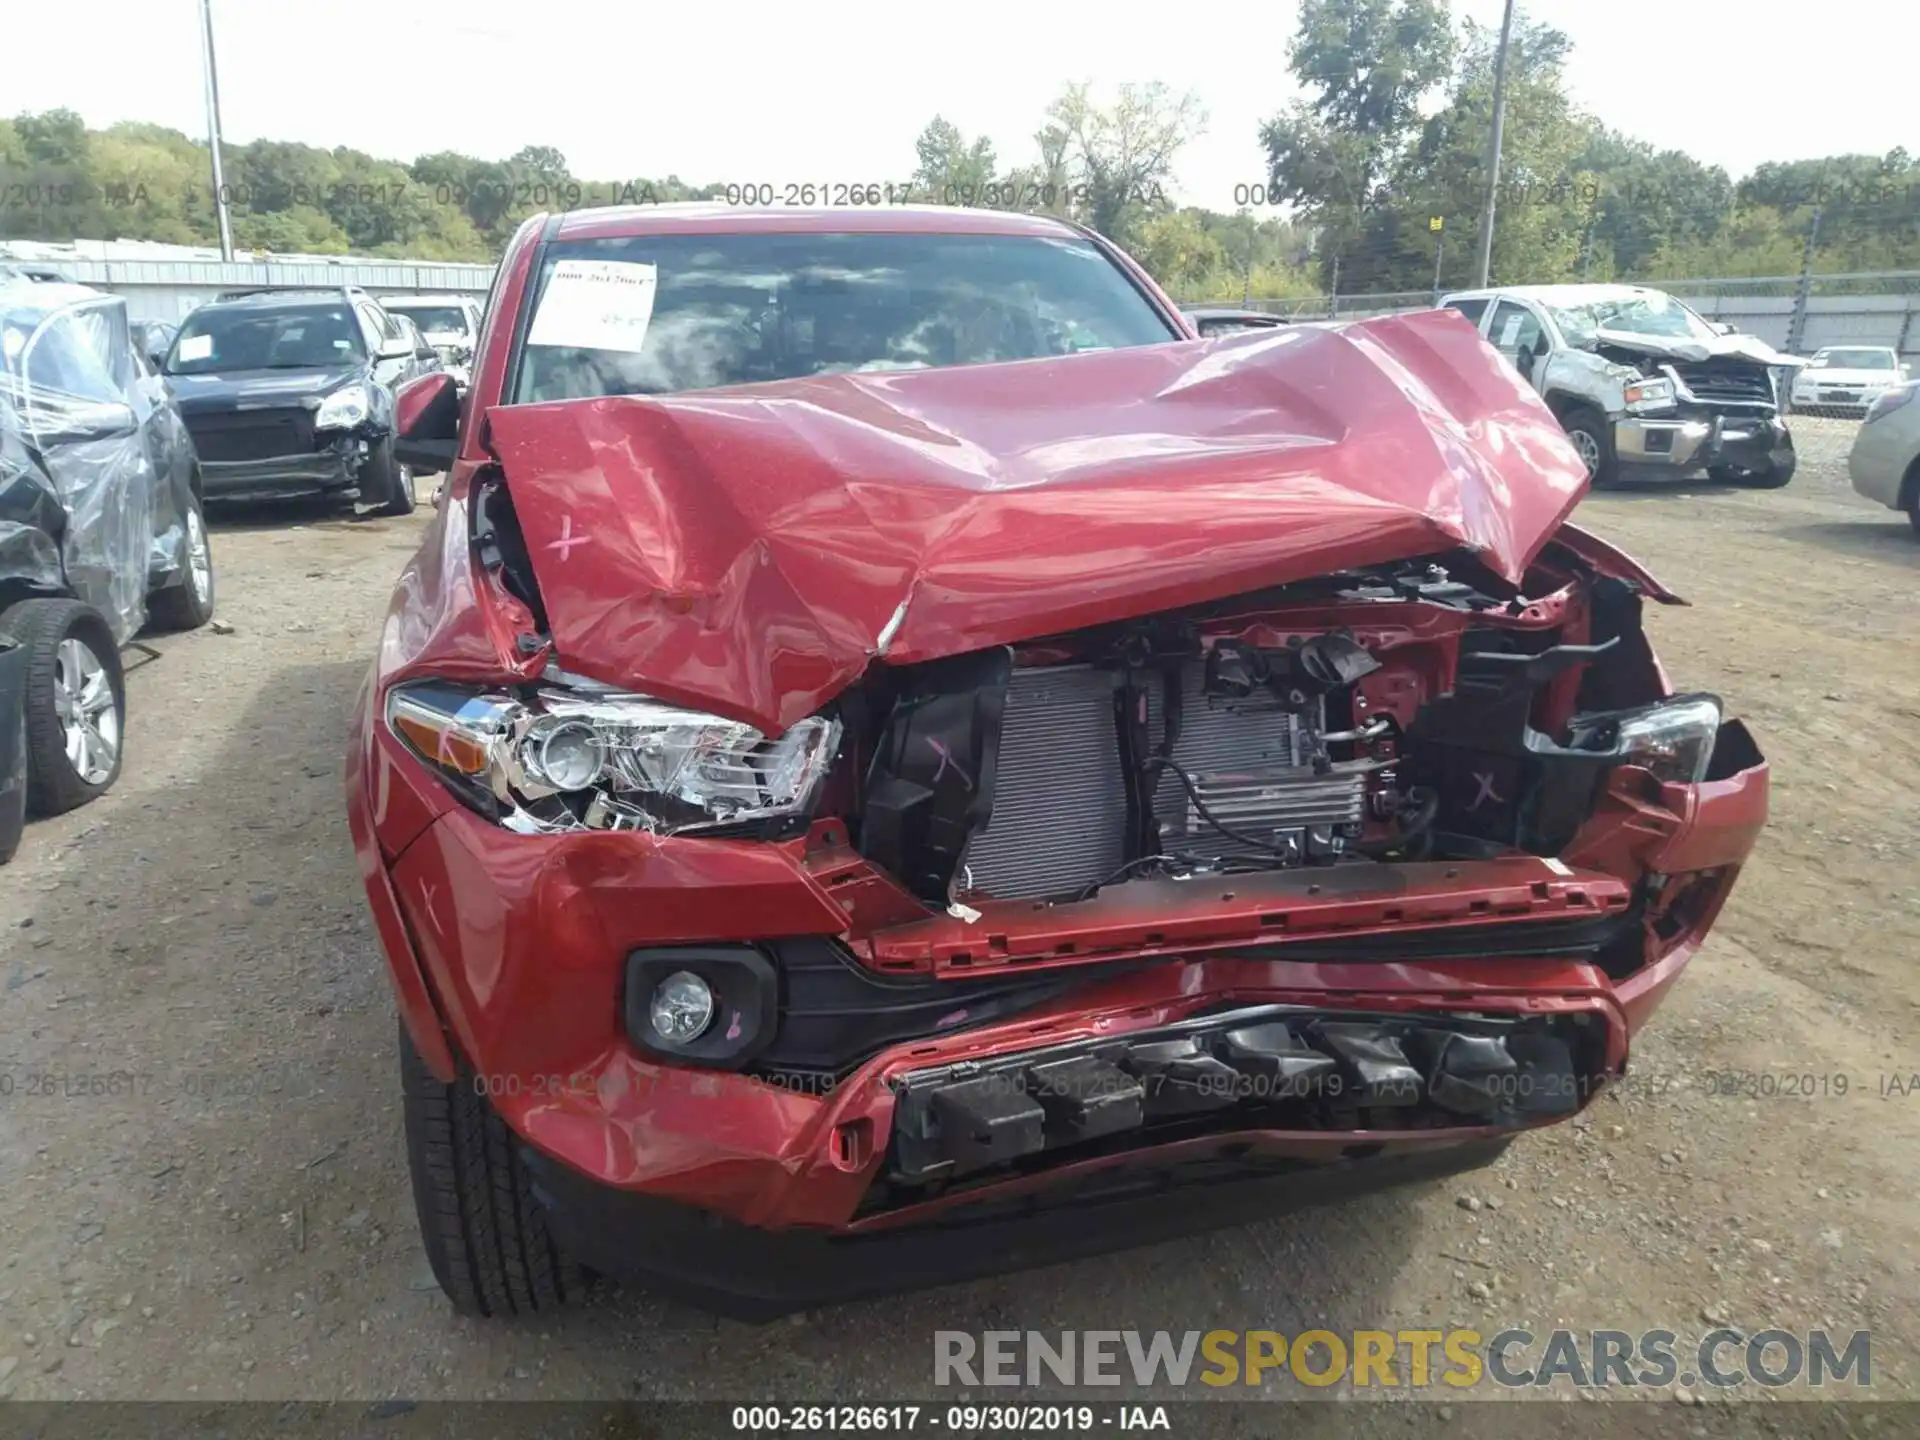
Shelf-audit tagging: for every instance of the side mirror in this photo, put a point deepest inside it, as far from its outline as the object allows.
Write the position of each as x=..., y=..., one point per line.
x=401, y=349
x=426, y=422
x=77, y=421
x=1720, y=327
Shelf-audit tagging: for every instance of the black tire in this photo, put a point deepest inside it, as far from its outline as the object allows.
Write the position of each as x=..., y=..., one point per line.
x=54, y=786
x=485, y=1233
x=1584, y=420
x=383, y=475
x=183, y=606
x=1769, y=477
x=1913, y=518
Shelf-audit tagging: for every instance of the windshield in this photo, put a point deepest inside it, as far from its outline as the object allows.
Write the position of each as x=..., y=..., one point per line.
x=1641, y=313
x=1854, y=360
x=434, y=319
x=283, y=338
x=653, y=315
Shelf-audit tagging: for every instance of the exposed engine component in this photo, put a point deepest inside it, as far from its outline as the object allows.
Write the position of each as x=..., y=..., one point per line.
x=1093, y=769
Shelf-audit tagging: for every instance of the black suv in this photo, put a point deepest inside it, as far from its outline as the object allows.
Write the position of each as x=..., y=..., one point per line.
x=290, y=393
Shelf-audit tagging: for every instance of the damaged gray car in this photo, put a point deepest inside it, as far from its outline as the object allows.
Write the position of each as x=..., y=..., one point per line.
x=101, y=536
x=1644, y=387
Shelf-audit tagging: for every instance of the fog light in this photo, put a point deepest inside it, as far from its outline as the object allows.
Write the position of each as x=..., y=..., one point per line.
x=682, y=1008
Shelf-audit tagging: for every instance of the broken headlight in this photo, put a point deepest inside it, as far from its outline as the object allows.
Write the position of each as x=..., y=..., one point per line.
x=564, y=761
x=344, y=409
x=1644, y=395
x=1672, y=739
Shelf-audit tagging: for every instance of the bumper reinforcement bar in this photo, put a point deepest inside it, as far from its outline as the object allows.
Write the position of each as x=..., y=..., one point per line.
x=1265, y=1067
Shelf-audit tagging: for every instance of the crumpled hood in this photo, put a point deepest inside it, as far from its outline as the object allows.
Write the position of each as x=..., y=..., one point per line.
x=752, y=550
x=1743, y=347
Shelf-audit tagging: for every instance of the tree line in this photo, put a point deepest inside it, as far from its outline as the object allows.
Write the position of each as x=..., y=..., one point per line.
x=1374, y=181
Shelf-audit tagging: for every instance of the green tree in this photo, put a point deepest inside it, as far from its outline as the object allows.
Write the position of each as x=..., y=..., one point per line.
x=1365, y=65
x=1118, y=159
x=950, y=169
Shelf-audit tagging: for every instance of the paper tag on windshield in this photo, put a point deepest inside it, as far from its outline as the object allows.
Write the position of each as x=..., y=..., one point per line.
x=596, y=305
x=196, y=347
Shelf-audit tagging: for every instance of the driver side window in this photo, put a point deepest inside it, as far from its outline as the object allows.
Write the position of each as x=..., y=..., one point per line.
x=1517, y=334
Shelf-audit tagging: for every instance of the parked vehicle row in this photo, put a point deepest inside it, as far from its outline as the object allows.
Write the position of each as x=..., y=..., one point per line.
x=114, y=436
x=102, y=534
x=289, y=393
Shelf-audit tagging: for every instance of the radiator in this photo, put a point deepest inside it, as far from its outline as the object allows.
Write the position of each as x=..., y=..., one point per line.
x=1059, y=806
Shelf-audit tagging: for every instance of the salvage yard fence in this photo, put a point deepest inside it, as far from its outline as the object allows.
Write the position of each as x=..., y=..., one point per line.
x=1795, y=313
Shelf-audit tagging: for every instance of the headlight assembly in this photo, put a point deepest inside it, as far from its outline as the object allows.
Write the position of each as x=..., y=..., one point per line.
x=1643, y=395
x=1672, y=739
x=561, y=760
x=343, y=409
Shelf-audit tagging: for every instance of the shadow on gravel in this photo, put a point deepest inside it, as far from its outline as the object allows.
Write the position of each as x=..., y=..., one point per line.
x=1891, y=540
x=244, y=515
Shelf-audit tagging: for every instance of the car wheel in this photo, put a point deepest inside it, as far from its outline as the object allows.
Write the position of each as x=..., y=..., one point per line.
x=383, y=475
x=1913, y=518
x=1770, y=476
x=485, y=1233
x=76, y=702
x=1592, y=437
x=188, y=605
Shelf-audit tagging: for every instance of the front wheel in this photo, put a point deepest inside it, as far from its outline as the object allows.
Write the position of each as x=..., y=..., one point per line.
x=76, y=702
x=1592, y=437
x=188, y=605
x=384, y=475
x=485, y=1234
x=1770, y=476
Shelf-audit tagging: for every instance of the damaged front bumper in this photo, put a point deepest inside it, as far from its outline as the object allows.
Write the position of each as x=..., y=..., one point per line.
x=333, y=468
x=1074, y=1134
x=1683, y=445
x=1317, y=1034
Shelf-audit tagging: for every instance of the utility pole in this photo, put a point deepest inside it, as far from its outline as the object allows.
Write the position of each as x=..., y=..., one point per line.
x=1438, y=225
x=1485, y=266
x=213, y=129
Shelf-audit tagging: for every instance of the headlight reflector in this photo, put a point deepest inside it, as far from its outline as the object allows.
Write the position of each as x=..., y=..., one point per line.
x=343, y=409
x=1649, y=395
x=1673, y=740
x=560, y=759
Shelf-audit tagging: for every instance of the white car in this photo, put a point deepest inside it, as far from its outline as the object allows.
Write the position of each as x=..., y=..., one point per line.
x=1847, y=379
x=451, y=324
x=1644, y=387
x=1885, y=461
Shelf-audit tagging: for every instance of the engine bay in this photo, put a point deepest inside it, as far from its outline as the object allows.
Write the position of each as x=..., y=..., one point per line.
x=1411, y=713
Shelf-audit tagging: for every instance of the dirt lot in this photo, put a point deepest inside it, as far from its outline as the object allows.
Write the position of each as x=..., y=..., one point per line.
x=241, y=1226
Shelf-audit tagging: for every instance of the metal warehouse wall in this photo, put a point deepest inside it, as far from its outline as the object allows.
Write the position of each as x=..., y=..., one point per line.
x=1830, y=319
x=168, y=289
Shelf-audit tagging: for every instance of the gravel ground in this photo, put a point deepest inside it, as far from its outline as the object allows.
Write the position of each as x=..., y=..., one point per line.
x=236, y=1221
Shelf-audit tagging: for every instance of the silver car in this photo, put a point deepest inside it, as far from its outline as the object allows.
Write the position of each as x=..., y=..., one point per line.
x=1885, y=461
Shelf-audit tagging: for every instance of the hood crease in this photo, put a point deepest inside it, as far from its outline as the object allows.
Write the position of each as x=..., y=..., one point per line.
x=752, y=550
